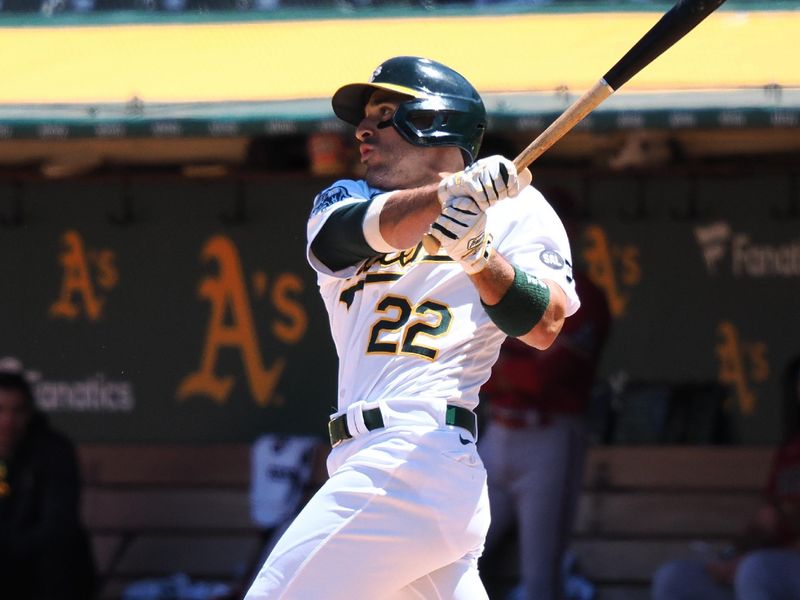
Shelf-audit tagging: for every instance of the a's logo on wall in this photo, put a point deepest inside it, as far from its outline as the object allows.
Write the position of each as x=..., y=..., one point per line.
x=742, y=365
x=612, y=267
x=737, y=252
x=87, y=273
x=231, y=325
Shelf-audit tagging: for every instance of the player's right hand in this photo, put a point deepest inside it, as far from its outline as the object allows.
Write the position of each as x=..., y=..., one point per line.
x=461, y=231
x=486, y=181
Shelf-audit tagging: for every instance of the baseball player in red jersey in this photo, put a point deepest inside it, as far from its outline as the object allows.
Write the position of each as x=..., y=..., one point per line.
x=535, y=443
x=405, y=511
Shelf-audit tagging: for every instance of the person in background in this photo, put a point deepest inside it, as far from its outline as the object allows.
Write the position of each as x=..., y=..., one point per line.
x=535, y=442
x=286, y=470
x=44, y=549
x=764, y=562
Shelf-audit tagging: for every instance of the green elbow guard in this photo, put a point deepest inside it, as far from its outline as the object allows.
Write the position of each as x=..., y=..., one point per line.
x=522, y=306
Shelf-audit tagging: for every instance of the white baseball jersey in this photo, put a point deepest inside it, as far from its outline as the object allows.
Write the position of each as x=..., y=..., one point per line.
x=395, y=313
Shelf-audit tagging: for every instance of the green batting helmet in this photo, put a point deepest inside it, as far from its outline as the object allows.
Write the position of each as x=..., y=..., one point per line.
x=443, y=109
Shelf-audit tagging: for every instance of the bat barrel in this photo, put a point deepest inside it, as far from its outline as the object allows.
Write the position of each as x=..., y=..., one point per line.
x=676, y=23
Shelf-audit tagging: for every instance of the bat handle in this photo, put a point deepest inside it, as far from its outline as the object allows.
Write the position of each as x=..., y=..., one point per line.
x=431, y=244
x=565, y=122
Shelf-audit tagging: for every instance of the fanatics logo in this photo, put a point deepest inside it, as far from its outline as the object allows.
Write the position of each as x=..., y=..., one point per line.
x=713, y=240
x=745, y=257
x=552, y=259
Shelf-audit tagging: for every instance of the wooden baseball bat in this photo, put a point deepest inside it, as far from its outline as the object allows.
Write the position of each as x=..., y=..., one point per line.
x=673, y=25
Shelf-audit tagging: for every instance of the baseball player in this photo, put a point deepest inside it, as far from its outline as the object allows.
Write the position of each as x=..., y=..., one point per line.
x=405, y=511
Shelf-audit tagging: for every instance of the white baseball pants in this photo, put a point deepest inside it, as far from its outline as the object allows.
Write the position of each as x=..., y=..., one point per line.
x=403, y=516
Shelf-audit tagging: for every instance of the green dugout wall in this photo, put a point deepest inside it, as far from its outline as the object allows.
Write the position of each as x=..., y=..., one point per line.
x=183, y=311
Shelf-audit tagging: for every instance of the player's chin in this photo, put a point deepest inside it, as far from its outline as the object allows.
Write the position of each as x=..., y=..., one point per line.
x=378, y=176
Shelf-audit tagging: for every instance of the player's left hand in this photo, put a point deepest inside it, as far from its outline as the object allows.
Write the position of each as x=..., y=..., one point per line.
x=461, y=231
x=486, y=181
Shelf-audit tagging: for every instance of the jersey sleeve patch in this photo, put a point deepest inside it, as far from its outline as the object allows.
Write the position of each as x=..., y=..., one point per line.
x=551, y=258
x=329, y=197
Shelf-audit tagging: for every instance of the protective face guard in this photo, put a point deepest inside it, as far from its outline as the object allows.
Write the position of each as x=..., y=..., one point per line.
x=442, y=121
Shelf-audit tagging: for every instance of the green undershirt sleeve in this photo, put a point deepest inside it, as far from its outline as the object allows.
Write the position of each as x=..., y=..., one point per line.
x=341, y=242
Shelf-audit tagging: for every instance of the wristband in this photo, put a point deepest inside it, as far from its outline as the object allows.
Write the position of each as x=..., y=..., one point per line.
x=522, y=306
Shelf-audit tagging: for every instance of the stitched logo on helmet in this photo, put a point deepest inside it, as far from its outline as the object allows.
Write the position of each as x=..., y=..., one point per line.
x=552, y=259
x=327, y=198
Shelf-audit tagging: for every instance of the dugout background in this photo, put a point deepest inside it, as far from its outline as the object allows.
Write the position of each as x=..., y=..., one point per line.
x=170, y=309
x=156, y=172
x=157, y=164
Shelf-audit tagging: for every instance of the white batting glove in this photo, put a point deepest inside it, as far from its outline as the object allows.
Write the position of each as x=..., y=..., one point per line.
x=486, y=181
x=461, y=231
